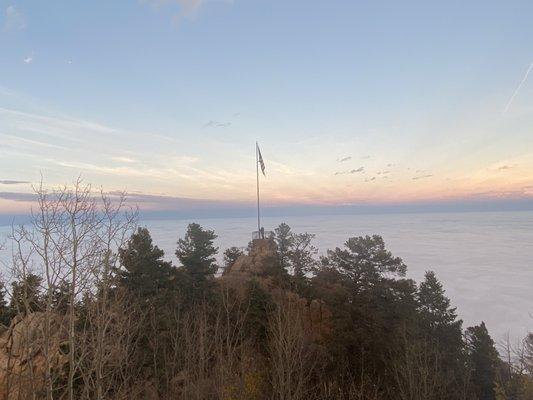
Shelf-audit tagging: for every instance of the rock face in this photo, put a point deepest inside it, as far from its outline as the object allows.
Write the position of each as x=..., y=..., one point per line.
x=22, y=354
x=256, y=262
x=317, y=317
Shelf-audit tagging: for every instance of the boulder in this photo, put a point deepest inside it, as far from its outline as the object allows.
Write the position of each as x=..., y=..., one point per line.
x=256, y=262
x=22, y=354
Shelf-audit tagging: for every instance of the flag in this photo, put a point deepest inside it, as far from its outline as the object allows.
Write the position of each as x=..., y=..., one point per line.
x=260, y=159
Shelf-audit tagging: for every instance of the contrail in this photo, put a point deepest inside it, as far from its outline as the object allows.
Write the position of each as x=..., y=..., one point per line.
x=518, y=88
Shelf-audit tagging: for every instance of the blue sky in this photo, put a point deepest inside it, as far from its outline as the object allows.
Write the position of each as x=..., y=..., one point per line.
x=424, y=101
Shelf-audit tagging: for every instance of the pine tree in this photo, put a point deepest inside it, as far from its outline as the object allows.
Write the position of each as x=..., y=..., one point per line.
x=61, y=297
x=196, y=253
x=5, y=311
x=438, y=317
x=144, y=272
x=484, y=361
x=365, y=260
x=284, y=241
x=434, y=305
x=441, y=328
x=260, y=305
x=230, y=256
x=302, y=259
x=26, y=295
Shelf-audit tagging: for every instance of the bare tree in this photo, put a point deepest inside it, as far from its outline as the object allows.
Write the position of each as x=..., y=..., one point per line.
x=71, y=244
x=417, y=371
x=292, y=361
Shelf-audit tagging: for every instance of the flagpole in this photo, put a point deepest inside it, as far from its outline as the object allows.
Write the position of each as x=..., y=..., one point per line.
x=257, y=176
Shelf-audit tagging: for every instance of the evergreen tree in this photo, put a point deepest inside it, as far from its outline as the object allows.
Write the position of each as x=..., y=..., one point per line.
x=302, y=260
x=441, y=328
x=230, y=256
x=284, y=240
x=196, y=253
x=528, y=354
x=260, y=305
x=484, y=361
x=365, y=259
x=144, y=272
x=5, y=311
x=61, y=297
x=296, y=255
x=155, y=287
x=434, y=305
x=371, y=307
x=26, y=295
x=439, y=319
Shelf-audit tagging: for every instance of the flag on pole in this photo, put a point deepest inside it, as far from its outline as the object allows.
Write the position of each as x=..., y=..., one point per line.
x=260, y=158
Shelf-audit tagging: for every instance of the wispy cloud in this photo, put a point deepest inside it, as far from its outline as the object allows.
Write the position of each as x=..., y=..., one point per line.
x=504, y=167
x=122, y=159
x=415, y=178
x=19, y=197
x=66, y=146
x=34, y=143
x=28, y=60
x=216, y=124
x=107, y=170
x=343, y=159
x=169, y=202
x=12, y=182
x=14, y=19
x=352, y=171
x=515, y=93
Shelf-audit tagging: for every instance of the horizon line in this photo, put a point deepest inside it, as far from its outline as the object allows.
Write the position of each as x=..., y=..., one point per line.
x=457, y=206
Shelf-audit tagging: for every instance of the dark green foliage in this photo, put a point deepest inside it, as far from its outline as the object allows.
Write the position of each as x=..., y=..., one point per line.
x=296, y=255
x=365, y=260
x=5, y=311
x=388, y=329
x=231, y=255
x=196, y=250
x=284, y=242
x=145, y=273
x=442, y=330
x=260, y=305
x=528, y=354
x=303, y=261
x=156, y=291
x=196, y=253
x=434, y=305
x=371, y=306
x=439, y=321
x=26, y=295
x=61, y=297
x=274, y=271
x=484, y=361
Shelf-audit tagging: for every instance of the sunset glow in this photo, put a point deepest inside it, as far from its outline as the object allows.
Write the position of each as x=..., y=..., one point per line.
x=442, y=119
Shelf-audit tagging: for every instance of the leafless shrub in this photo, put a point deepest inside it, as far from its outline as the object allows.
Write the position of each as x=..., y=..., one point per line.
x=292, y=359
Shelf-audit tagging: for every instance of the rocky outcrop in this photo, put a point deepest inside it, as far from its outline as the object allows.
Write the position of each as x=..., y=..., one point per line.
x=262, y=253
x=257, y=265
x=23, y=349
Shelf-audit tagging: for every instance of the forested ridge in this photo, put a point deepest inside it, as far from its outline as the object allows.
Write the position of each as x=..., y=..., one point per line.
x=92, y=309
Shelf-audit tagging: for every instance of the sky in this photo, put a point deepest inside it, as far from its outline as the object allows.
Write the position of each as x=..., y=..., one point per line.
x=353, y=103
